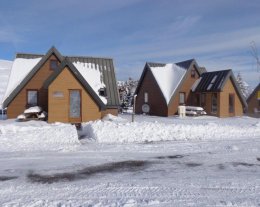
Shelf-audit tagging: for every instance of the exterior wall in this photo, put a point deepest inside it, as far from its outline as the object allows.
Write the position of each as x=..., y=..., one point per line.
x=224, y=99
x=109, y=111
x=59, y=106
x=253, y=103
x=156, y=100
x=223, y=102
x=18, y=104
x=186, y=88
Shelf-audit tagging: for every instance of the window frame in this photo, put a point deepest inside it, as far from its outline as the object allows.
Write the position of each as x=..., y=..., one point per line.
x=214, y=109
x=27, y=96
x=51, y=65
x=193, y=73
x=184, y=98
x=146, y=97
x=231, y=108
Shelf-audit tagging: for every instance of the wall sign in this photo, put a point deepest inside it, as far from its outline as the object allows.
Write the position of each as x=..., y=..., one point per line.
x=58, y=94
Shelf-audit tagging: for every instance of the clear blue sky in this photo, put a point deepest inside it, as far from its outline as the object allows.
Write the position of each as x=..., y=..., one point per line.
x=216, y=33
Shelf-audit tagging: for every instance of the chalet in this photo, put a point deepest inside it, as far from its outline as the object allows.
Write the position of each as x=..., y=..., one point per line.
x=163, y=87
x=71, y=89
x=218, y=93
x=253, y=102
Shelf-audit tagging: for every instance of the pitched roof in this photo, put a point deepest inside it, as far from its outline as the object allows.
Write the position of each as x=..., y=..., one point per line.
x=215, y=82
x=78, y=76
x=103, y=66
x=169, y=77
x=257, y=88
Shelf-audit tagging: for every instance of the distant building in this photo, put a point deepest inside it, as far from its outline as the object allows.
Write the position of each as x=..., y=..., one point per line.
x=163, y=87
x=253, y=102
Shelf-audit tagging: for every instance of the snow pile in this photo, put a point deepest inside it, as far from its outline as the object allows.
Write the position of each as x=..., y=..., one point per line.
x=34, y=109
x=145, y=131
x=93, y=76
x=5, y=68
x=168, y=79
x=20, y=69
x=37, y=136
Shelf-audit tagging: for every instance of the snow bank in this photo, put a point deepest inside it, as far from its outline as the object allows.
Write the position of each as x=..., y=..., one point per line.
x=197, y=129
x=37, y=136
x=168, y=78
x=34, y=109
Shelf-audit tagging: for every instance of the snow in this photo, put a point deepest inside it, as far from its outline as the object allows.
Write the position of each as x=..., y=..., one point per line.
x=20, y=69
x=93, y=76
x=34, y=109
x=36, y=136
x=45, y=165
x=148, y=129
x=5, y=68
x=195, y=84
x=168, y=79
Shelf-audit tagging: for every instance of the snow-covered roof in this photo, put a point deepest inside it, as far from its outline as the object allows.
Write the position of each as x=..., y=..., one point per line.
x=93, y=76
x=5, y=68
x=20, y=69
x=168, y=78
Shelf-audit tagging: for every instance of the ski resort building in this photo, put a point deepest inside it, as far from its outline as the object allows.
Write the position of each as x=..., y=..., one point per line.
x=71, y=89
x=164, y=87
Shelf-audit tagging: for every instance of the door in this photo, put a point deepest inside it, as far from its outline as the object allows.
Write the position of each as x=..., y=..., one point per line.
x=75, y=106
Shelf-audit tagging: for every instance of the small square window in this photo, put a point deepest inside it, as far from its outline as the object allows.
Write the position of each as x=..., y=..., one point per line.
x=54, y=64
x=102, y=92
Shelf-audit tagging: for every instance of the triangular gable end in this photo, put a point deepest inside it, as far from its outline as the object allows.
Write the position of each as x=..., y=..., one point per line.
x=13, y=94
x=192, y=63
x=79, y=77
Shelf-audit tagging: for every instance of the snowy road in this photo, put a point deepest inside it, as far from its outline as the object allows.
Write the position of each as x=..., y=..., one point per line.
x=177, y=173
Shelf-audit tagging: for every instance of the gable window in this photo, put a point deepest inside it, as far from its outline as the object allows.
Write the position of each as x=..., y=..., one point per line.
x=231, y=103
x=182, y=98
x=54, y=64
x=102, y=92
x=214, y=103
x=146, y=97
x=193, y=73
x=32, y=98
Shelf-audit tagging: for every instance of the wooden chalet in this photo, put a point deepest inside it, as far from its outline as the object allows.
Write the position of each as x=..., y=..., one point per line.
x=163, y=87
x=253, y=102
x=71, y=89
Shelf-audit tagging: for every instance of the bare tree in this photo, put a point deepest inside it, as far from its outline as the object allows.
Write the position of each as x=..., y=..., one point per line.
x=254, y=53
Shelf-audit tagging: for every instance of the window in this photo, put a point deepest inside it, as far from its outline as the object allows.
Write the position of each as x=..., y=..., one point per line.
x=58, y=94
x=203, y=99
x=102, y=92
x=146, y=97
x=214, y=103
x=231, y=103
x=54, y=64
x=32, y=98
x=182, y=98
x=193, y=73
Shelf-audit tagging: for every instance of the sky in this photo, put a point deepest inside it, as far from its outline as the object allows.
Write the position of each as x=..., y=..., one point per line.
x=218, y=34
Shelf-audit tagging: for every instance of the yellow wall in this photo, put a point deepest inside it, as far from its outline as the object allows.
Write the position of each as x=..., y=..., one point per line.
x=59, y=107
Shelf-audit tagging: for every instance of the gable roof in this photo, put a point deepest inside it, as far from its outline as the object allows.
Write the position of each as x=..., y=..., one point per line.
x=78, y=76
x=257, y=88
x=168, y=77
x=215, y=82
x=104, y=65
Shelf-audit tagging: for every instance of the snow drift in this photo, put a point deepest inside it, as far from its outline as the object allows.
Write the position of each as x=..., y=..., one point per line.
x=37, y=136
x=116, y=130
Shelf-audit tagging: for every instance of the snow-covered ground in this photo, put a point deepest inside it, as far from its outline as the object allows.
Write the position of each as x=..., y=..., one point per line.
x=178, y=172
